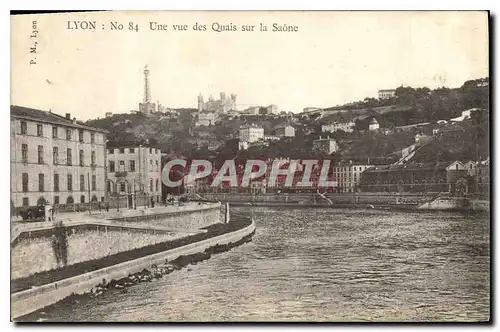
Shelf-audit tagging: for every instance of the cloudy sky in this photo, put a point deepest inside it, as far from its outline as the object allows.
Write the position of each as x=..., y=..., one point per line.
x=333, y=58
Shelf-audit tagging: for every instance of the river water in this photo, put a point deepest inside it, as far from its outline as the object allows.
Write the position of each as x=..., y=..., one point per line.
x=321, y=265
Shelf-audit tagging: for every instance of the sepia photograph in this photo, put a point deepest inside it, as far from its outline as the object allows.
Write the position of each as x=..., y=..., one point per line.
x=250, y=166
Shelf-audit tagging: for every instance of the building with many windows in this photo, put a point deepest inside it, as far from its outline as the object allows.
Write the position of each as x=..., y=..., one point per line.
x=250, y=134
x=326, y=145
x=285, y=131
x=134, y=171
x=386, y=93
x=348, y=176
x=347, y=126
x=206, y=119
x=418, y=177
x=55, y=159
x=272, y=109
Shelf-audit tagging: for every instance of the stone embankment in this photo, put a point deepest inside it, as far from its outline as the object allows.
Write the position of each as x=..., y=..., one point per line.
x=40, y=290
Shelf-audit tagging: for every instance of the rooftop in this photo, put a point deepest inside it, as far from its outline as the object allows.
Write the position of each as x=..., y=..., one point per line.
x=48, y=117
x=130, y=144
x=409, y=167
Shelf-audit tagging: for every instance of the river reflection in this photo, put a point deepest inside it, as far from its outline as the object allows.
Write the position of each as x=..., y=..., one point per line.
x=321, y=265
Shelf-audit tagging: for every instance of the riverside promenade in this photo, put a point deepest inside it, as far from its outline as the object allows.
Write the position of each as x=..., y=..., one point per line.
x=110, y=246
x=111, y=217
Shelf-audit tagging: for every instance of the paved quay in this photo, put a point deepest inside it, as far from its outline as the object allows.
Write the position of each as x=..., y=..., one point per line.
x=104, y=218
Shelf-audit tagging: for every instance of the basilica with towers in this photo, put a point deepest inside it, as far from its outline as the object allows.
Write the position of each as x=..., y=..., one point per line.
x=223, y=105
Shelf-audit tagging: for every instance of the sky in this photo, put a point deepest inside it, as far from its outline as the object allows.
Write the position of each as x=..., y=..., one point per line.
x=333, y=58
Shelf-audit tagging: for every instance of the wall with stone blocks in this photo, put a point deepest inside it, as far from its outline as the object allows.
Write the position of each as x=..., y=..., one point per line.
x=36, y=254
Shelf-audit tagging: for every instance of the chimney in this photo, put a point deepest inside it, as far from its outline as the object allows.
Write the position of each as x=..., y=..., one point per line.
x=68, y=116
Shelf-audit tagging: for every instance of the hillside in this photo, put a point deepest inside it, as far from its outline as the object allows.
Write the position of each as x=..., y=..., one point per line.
x=177, y=134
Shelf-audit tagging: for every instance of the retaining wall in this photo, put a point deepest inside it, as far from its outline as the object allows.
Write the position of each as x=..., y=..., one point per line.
x=193, y=218
x=32, y=251
x=34, y=254
x=25, y=302
x=346, y=198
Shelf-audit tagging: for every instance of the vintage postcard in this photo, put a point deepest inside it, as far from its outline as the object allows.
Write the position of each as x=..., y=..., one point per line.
x=250, y=166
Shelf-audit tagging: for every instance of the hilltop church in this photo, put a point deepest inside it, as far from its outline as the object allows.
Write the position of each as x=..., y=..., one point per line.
x=223, y=105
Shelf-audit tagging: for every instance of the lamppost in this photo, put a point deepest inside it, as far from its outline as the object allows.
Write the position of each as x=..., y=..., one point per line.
x=118, y=197
x=118, y=202
x=135, y=197
x=90, y=200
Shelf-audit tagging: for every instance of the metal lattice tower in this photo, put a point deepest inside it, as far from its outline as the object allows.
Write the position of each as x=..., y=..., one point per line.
x=147, y=96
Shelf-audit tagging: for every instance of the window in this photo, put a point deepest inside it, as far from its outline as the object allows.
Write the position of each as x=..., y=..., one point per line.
x=82, y=182
x=70, y=182
x=132, y=165
x=156, y=162
x=112, y=166
x=25, y=182
x=122, y=187
x=56, y=182
x=122, y=150
x=122, y=165
x=54, y=132
x=150, y=184
x=456, y=166
x=24, y=155
x=24, y=128
x=131, y=150
x=92, y=158
x=39, y=130
x=94, y=181
x=69, y=157
x=81, y=158
x=151, y=162
x=26, y=201
x=56, y=200
x=92, y=138
x=156, y=184
x=111, y=151
x=68, y=134
x=109, y=186
x=82, y=199
x=41, y=182
x=150, y=150
x=40, y=154
x=55, y=155
x=80, y=135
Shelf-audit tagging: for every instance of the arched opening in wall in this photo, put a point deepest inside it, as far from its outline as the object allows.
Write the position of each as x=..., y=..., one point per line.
x=82, y=199
x=70, y=200
x=122, y=187
x=94, y=198
x=110, y=186
x=41, y=201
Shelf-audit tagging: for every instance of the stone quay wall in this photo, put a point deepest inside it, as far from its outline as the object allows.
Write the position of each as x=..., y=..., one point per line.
x=25, y=302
